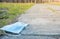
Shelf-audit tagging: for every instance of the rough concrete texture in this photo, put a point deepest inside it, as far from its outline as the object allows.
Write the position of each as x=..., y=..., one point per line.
x=43, y=23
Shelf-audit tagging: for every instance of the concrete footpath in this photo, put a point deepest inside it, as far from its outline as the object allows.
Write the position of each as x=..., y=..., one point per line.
x=43, y=22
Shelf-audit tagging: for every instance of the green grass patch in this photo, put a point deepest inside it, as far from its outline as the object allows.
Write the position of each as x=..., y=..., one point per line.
x=13, y=10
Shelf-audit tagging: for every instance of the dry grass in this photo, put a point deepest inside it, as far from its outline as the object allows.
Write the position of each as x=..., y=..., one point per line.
x=54, y=3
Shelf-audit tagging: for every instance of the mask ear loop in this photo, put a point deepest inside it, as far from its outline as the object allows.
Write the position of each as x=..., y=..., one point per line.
x=2, y=32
